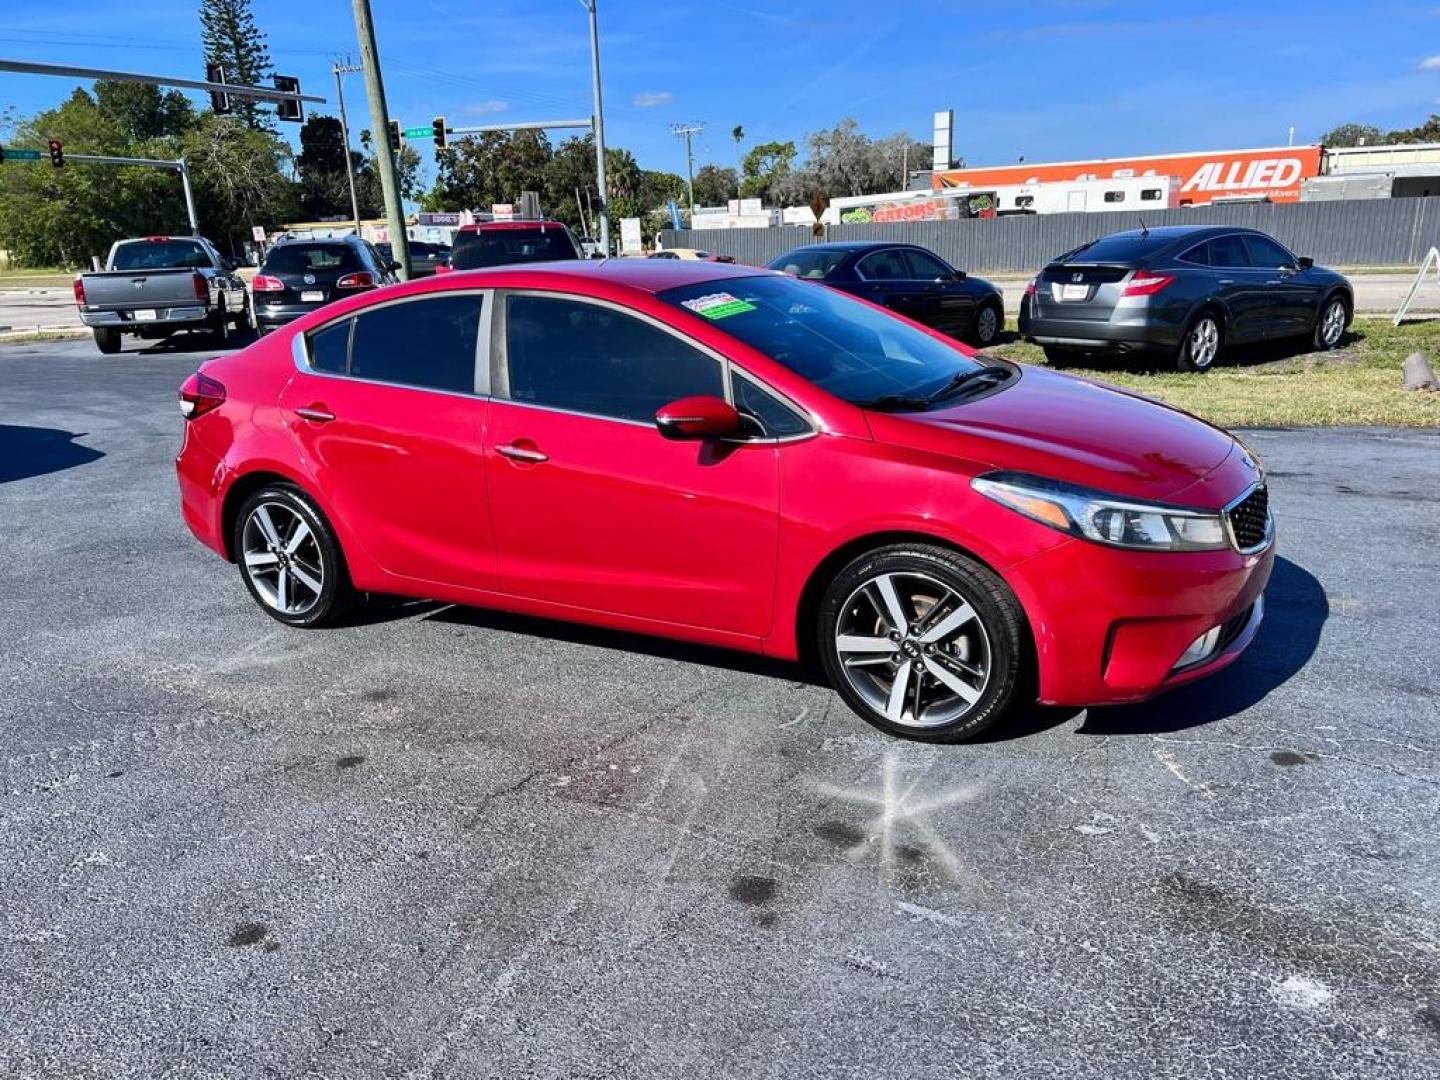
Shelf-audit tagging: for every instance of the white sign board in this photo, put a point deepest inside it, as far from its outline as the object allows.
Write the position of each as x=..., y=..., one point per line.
x=258, y=232
x=503, y=211
x=749, y=206
x=630, y=235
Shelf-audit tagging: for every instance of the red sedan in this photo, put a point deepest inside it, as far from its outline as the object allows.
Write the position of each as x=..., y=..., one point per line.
x=733, y=457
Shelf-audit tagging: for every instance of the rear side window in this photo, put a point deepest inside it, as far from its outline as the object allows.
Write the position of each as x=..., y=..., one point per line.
x=1199, y=255
x=503, y=247
x=1266, y=253
x=1228, y=251
x=589, y=358
x=885, y=266
x=427, y=343
x=813, y=263
x=330, y=348
x=772, y=418
x=310, y=258
x=160, y=255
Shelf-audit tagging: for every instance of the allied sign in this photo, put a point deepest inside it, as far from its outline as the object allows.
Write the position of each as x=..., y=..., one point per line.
x=1275, y=173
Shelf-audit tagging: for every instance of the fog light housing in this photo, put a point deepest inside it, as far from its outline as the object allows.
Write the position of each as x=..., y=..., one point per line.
x=1200, y=650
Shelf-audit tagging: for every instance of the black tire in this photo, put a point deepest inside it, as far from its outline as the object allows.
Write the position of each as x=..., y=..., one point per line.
x=245, y=321
x=1057, y=357
x=984, y=333
x=1325, y=336
x=107, y=340
x=220, y=323
x=1202, y=343
x=994, y=638
x=312, y=608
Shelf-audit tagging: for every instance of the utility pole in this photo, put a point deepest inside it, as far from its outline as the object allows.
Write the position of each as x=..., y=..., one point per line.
x=686, y=131
x=347, y=68
x=380, y=126
x=599, y=122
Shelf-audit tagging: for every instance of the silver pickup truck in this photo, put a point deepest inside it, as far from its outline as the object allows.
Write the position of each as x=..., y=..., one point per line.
x=154, y=286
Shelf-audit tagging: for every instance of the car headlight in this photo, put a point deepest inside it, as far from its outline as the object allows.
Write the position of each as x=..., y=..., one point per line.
x=1105, y=519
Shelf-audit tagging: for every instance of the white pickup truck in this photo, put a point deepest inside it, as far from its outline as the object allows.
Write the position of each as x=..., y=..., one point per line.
x=154, y=286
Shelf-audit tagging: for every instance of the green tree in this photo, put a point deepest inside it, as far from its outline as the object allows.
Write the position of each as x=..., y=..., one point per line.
x=763, y=169
x=232, y=40
x=320, y=166
x=1354, y=135
x=1426, y=132
x=144, y=111
x=240, y=179
x=493, y=167
x=715, y=185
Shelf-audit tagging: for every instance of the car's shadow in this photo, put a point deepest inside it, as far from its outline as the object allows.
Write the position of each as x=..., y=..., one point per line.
x=1252, y=354
x=188, y=342
x=1295, y=612
x=37, y=451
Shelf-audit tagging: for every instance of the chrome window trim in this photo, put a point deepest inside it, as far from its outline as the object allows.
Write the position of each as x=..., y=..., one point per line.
x=1269, y=536
x=763, y=387
x=480, y=378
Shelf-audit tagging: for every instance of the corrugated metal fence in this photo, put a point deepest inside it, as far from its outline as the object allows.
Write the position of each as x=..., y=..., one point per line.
x=1357, y=232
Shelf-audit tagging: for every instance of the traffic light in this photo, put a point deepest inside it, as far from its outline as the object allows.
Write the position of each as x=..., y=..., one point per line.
x=57, y=153
x=438, y=127
x=289, y=108
x=395, y=135
x=219, y=100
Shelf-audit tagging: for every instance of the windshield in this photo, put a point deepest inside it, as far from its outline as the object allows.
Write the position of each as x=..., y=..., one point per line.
x=500, y=247
x=160, y=255
x=843, y=346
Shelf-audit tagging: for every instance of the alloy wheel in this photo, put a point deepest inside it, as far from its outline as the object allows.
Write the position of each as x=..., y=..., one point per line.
x=282, y=558
x=914, y=649
x=986, y=325
x=1204, y=342
x=1334, y=323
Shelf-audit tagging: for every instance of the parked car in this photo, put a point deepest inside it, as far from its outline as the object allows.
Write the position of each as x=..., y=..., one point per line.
x=591, y=248
x=425, y=257
x=1184, y=292
x=907, y=279
x=503, y=243
x=730, y=456
x=691, y=253
x=154, y=286
x=299, y=276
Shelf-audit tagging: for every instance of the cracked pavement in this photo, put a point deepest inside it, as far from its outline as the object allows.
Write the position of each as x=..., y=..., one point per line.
x=449, y=843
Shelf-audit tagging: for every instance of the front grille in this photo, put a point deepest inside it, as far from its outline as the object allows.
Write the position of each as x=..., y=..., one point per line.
x=1250, y=519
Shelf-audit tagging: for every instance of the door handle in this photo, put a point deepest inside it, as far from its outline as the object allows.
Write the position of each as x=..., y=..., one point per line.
x=521, y=453
x=316, y=414
x=1227, y=281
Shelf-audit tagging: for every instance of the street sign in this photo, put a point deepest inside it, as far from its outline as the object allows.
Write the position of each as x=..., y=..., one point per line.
x=7, y=154
x=419, y=133
x=258, y=232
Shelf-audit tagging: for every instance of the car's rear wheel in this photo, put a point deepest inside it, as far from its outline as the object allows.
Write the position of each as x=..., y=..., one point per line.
x=1201, y=345
x=988, y=320
x=1330, y=327
x=922, y=642
x=290, y=558
x=107, y=340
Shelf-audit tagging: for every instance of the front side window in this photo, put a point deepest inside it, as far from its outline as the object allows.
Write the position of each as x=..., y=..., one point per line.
x=885, y=266
x=427, y=343
x=590, y=358
x=926, y=267
x=1266, y=253
x=842, y=345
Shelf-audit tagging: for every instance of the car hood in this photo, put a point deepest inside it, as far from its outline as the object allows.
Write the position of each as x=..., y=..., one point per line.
x=1068, y=429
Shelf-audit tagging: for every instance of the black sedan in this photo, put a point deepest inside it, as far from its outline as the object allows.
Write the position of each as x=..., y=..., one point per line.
x=907, y=279
x=298, y=276
x=1184, y=292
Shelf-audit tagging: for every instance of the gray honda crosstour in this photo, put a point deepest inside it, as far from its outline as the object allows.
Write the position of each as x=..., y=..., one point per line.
x=1183, y=292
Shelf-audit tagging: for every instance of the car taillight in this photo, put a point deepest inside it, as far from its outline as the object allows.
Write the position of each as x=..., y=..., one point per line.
x=199, y=394
x=363, y=280
x=202, y=287
x=1030, y=287
x=1143, y=284
x=79, y=292
x=266, y=283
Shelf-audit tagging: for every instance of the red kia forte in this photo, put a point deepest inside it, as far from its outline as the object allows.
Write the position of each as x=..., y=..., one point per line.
x=738, y=458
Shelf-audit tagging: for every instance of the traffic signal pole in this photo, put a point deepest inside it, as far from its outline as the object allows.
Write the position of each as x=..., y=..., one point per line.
x=599, y=128
x=380, y=126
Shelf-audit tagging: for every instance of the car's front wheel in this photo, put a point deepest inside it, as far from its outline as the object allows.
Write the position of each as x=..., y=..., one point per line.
x=1330, y=327
x=923, y=642
x=1200, y=347
x=290, y=558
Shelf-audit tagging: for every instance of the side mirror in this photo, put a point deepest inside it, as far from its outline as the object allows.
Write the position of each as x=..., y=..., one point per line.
x=700, y=417
x=1306, y=262
x=391, y=266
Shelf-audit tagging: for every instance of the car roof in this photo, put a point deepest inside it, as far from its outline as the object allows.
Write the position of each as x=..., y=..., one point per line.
x=1181, y=232
x=850, y=245
x=648, y=275
x=531, y=223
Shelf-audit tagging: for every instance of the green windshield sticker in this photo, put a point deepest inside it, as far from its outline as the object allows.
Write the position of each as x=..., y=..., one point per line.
x=718, y=305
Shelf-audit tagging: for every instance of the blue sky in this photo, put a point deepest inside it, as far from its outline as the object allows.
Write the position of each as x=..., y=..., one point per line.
x=1049, y=79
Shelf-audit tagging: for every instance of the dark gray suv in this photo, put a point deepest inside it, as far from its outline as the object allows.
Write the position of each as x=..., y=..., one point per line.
x=1186, y=292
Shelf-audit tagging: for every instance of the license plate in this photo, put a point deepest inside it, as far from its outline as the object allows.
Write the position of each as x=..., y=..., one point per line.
x=312, y=296
x=1074, y=292
x=145, y=315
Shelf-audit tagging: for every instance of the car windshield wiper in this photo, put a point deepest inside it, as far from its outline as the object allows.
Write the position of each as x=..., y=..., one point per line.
x=969, y=378
x=891, y=402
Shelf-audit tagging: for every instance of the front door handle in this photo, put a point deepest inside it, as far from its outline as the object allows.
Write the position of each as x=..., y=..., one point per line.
x=1227, y=281
x=522, y=453
x=317, y=414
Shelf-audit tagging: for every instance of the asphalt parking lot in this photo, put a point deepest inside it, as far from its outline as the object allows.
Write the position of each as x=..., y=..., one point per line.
x=447, y=843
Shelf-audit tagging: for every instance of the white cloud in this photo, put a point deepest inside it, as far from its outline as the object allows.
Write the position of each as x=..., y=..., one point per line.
x=486, y=108
x=651, y=98
x=1430, y=63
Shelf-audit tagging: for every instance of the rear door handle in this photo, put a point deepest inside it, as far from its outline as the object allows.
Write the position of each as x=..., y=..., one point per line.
x=317, y=414
x=521, y=453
